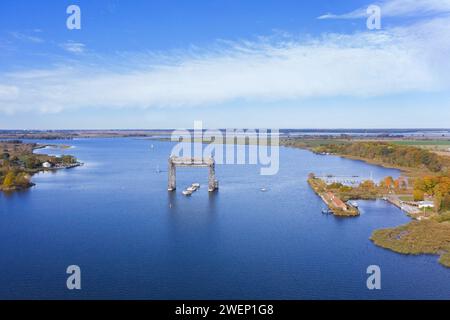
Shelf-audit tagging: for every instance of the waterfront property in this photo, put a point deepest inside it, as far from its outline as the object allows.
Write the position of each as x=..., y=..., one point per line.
x=334, y=203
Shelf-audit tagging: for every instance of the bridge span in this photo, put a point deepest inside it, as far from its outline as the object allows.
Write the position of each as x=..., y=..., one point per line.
x=209, y=163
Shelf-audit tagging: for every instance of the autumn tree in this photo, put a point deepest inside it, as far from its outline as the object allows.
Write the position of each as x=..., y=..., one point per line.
x=8, y=182
x=389, y=182
x=418, y=195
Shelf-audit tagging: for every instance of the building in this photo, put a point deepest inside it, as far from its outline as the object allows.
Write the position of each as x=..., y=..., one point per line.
x=425, y=204
x=47, y=165
x=338, y=203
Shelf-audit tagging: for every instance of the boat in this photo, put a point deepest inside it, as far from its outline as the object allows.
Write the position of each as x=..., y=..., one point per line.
x=263, y=189
x=194, y=187
x=187, y=193
x=354, y=204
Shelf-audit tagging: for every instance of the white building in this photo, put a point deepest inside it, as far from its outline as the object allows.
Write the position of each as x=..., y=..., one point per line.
x=425, y=204
x=46, y=165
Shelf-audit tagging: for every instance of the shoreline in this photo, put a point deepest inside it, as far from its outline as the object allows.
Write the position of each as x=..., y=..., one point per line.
x=20, y=163
x=411, y=238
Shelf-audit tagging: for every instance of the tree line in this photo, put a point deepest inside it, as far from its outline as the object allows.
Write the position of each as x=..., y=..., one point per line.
x=397, y=155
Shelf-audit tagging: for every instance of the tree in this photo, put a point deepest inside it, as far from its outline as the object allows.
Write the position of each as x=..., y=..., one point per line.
x=367, y=184
x=66, y=159
x=418, y=195
x=389, y=182
x=22, y=179
x=8, y=182
x=32, y=162
x=5, y=156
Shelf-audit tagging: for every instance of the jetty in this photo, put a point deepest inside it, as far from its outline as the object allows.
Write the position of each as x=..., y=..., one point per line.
x=332, y=201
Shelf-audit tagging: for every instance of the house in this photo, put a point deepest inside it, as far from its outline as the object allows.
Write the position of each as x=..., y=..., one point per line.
x=338, y=203
x=425, y=204
x=47, y=165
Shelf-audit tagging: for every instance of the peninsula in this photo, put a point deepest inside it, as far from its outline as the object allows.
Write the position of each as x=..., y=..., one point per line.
x=423, y=191
x=18, y=163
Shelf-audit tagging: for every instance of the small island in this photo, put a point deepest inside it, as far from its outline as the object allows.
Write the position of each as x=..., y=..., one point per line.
x=18, y=163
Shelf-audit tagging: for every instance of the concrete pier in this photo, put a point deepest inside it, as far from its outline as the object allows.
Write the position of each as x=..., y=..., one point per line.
x=175, y=162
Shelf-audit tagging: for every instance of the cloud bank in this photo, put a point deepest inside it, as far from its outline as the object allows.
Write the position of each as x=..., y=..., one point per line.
x=398, y=8
x=394, y=61
x=74, y=47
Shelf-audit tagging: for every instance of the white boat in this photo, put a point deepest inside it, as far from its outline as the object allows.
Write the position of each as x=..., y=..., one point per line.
x=187, y=193
x=196, y=185
x=354, y=204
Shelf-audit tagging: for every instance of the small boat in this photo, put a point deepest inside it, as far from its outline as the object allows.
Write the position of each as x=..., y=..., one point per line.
x=194, y=187
x=326, y=211
x=354, y=204
x=187, y=193
x=263, y=189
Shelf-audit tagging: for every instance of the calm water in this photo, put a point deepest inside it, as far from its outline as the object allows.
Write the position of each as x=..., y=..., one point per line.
x=114, y=218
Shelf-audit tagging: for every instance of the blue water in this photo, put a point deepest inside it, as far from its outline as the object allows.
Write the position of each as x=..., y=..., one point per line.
x=132, y=239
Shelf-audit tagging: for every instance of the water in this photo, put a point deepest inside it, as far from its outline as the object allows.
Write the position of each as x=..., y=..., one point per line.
x=132, y=239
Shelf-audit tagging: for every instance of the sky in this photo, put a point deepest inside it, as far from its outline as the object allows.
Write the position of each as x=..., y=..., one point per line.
x=137, y=64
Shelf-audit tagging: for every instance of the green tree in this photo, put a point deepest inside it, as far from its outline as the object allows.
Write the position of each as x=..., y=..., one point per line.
x=32, y=162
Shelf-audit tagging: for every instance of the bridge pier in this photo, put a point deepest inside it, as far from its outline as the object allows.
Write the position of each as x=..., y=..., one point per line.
x=172, y=176
x=213, y=184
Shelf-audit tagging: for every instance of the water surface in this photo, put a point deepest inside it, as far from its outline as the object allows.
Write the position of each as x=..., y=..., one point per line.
x=132, y=239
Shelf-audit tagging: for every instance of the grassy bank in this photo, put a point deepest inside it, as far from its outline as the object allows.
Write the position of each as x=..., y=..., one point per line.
x=418, y=237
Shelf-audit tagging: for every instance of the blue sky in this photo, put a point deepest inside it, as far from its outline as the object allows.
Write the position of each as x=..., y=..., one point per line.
x=277, y=64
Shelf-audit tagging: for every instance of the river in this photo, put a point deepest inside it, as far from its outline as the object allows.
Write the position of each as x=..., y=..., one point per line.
x=132, y=239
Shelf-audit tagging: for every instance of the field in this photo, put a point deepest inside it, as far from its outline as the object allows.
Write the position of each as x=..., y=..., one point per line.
x=440, y=147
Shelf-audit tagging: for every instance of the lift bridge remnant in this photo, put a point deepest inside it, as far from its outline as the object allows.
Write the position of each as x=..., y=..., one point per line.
x=209, y=163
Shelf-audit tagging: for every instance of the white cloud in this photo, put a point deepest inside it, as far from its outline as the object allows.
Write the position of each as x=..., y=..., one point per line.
x=74, y=47
x=394, y=61
x=8, y=92
x=394, y=8
x=25, y=37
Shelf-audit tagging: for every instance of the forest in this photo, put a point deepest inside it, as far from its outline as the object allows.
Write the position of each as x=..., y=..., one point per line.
x=387, y=153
